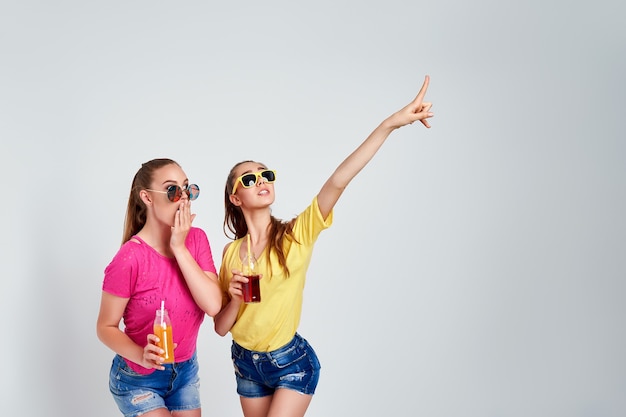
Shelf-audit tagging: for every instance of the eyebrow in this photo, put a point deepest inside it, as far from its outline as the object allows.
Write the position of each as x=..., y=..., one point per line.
x=186, y=180
x=251, y=171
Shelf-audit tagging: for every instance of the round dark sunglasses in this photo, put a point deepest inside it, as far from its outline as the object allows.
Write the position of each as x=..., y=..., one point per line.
x=175, y=193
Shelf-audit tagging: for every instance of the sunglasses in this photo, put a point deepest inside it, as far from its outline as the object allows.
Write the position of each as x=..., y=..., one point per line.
x=250, y=180
x=175, y=193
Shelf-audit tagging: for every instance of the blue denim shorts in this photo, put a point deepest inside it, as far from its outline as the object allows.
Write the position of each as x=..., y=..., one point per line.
x=176, y=388
x=294, y=366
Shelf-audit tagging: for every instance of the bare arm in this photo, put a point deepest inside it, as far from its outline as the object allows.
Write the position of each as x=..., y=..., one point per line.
x=108, y=331
x=356, y=161
x=203, y=285
x=226, y=318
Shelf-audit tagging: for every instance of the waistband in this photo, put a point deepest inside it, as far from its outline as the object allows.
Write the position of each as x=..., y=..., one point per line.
x=295, y=341
x=144, y=371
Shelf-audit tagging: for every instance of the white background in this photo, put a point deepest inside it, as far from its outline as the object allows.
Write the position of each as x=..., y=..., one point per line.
x=475, y=269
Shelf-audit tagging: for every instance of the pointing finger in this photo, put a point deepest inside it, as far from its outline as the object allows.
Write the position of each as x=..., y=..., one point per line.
x=422, y=92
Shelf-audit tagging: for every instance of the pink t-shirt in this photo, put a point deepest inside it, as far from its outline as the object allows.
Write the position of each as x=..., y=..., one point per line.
x=146, y=277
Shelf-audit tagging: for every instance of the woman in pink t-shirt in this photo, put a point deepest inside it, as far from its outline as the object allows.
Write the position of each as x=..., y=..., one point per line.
x=163, y=263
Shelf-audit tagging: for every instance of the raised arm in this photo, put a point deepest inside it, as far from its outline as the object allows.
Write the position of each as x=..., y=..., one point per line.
x=418, y=109
x=203, y=285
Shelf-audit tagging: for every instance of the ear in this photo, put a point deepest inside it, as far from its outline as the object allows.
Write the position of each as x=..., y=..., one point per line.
x=145, y=197
x=235, y=200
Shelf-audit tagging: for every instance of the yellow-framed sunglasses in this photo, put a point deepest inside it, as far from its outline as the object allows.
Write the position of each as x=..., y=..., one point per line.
x=250, y=179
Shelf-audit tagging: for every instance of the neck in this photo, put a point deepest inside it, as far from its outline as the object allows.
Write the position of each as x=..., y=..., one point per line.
x=258, y=223
x=157, y=237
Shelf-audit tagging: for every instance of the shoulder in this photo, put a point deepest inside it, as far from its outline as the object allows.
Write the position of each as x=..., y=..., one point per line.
x=130, y=247
x=226, y=247
x=129, y=255
x=310, y=222
x=196, y=231
x=197, y=235
x=313, y=213
x=197, y=241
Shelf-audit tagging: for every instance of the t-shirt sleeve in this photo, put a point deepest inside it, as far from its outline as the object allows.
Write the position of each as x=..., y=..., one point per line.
x=120, y=275
x=310, y=223
x=203, y=254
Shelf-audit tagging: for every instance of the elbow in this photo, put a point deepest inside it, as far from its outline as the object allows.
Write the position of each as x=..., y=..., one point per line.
x=220, y=330
x=98, y=334
x=215, y=306
x=100, y=331
x=213, y=310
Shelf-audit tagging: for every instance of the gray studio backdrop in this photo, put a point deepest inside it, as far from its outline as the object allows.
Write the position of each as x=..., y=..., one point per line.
x=475, y=269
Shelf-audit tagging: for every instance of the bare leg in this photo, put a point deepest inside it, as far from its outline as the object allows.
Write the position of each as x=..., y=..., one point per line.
x=159, y=412
x=289, y=403
x=164, y=412
x=256, y=407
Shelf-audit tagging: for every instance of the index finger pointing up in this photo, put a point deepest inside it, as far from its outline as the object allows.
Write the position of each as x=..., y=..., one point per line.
x=422, y=92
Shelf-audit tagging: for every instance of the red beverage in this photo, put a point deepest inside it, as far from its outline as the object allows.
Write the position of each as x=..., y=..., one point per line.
x=252, y=289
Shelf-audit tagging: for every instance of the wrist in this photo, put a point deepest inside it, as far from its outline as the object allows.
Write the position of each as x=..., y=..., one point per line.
x=388, y=125
x=179, y=251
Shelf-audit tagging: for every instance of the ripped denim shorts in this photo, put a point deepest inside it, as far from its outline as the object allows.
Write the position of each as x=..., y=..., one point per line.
x=294, y=366
x=176, y=388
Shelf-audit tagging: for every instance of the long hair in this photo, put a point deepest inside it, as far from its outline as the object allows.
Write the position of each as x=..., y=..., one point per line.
x=136, y=212
x=235, y=223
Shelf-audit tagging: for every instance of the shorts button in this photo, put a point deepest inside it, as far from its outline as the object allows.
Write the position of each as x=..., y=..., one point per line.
x=255, y=356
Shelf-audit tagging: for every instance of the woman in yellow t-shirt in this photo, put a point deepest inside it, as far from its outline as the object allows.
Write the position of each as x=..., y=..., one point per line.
x=275, y=368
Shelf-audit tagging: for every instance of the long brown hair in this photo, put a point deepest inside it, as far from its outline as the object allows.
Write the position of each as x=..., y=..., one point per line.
x=136, y=210
x=235, y=223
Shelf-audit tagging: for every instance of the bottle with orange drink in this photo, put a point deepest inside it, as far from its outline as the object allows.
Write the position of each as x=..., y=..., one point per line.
x=163, y=330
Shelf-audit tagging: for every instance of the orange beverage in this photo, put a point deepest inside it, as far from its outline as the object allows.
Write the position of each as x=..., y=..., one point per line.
x=163, y=330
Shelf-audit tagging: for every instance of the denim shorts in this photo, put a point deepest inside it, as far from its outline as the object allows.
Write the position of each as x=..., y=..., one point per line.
x=176, y=388
x=294, y=366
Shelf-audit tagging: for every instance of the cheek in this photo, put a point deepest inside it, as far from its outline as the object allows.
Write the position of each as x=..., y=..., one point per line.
x=167, y=213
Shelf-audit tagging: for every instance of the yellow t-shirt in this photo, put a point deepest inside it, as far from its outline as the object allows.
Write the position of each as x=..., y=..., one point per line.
x=273, y=322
